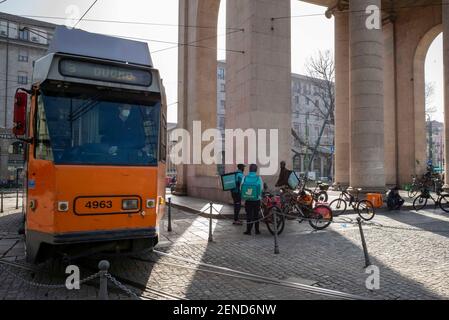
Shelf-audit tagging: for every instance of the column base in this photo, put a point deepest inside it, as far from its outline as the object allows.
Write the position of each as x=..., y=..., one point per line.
x=342, y=185
x=365, y=190
x=180, y=190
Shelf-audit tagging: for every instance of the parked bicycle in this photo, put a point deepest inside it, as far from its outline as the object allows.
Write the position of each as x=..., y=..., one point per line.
x=364, y=208
x=319, y=193
x=441, y=201
x=271, y=206
x=414, y=187
x=301, y=205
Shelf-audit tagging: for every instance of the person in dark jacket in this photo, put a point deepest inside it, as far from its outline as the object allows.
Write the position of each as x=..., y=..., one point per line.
x=283, y=176
x=394, y=200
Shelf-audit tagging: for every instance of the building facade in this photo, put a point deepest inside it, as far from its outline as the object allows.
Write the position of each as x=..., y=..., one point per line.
x=435, y=146
x=307, y=122
x=22, y=41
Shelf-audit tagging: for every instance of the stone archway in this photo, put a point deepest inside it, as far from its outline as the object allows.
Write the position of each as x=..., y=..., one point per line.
x=419, y=96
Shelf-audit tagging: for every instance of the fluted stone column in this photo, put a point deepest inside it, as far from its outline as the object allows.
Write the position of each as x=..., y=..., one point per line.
x=342, y=143
x=445, y=8
x=366, y=98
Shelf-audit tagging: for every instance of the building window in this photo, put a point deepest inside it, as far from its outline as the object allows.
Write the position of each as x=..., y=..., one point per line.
x=223, y=87
x=24, y=34
x=23, y=55
x=297, y=99
x=297, y=163
x=13, y=31
x=22, y=78
x=38, y=36
x=3, y=29
x=222, y=103
x=221, y=73
x=221, y=122
x=17, y=148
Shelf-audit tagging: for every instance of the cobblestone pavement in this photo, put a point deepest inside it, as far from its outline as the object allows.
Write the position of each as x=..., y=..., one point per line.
x=411, y=250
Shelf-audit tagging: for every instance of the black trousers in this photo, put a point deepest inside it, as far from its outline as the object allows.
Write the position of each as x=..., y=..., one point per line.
x=237, y=199
x=252, y=214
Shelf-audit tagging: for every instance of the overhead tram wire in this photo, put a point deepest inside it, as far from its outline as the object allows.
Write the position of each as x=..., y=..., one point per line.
x=87, y=11
x=190, y=44
x=130, y=22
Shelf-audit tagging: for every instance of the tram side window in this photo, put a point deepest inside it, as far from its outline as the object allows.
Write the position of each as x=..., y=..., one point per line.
x=163, y=140
x=43, y=144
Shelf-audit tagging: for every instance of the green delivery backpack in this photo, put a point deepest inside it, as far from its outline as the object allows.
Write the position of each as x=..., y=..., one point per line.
x=250, y=188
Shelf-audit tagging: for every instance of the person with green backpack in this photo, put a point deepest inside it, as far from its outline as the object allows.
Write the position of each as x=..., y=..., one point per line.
x=236, y=196
x=251, y=191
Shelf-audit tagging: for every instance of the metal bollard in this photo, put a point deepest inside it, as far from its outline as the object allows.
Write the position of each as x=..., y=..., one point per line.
x=365, y=249
x=211, y=239
x=169, y=229
x=275, y=221
x=1, y=202
x=17, y=199
x=103, y=292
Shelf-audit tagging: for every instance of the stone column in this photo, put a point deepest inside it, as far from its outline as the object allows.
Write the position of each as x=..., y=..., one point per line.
x=366, y=97
x=445, y=8
x=390, y=111
x=258, y=81
x=342, y=145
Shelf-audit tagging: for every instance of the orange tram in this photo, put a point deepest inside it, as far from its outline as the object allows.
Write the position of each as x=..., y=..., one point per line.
x=95, y=129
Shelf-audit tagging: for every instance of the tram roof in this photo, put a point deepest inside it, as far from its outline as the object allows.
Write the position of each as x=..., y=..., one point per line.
x=99, y=46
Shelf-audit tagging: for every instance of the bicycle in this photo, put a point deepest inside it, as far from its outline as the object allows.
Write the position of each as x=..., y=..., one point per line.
x=319, y=193
x=441, y=201
x=301, y=206
x=364, y=208
x=270, y=205
x=414, y=187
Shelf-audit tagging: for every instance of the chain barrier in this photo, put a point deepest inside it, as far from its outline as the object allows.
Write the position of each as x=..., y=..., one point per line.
x=121, y=286
x=340, y=220
x=46, y=286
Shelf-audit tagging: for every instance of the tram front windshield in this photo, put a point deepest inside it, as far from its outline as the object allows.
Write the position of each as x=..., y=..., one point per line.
x=97, y=129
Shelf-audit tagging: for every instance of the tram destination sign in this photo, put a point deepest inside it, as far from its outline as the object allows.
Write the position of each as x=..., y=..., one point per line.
x=105, y=72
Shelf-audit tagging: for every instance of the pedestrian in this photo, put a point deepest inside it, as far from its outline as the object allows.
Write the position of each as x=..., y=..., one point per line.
x=283, y=176
x=251, y=191
x=236, y=196
x=394, y=200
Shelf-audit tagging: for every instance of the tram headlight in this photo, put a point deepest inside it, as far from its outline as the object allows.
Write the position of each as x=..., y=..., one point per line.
x=130, y=204
x=63, y=206
x=151, y=203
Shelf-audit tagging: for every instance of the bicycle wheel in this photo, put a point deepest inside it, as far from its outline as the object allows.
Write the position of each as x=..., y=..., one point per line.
x=321, y=217
x=338, y=205
x=322, y=196
x=412, y=192
x=365, y=209
x=444, y=202
x=280, y=219
x=419, y=203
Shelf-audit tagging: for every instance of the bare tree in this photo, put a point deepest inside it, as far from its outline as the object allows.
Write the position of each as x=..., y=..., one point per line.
x=428, y=95
x=321, y=73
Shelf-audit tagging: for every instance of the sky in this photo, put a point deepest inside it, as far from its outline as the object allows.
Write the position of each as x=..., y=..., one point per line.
x=309, y=34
